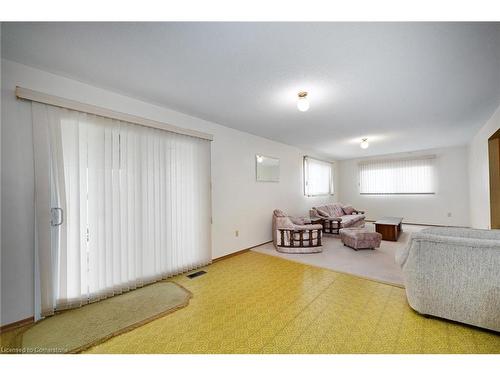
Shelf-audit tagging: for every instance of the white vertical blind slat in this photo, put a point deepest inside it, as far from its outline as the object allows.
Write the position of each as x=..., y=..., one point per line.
x=398, y=176
x=142, y=194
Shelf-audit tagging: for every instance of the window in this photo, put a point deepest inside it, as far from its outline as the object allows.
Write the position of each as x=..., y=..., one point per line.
x=318, y=177
x=402, y=176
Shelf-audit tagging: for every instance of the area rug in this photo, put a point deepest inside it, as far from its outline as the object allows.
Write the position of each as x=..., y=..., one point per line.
x=378, y=265
x=75, y=330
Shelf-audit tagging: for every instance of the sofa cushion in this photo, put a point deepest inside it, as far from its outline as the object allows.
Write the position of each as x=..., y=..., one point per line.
x=348, y=210
x=329, y=210
x=325, y=211
x=348, y=220
x=322, y=212
x=336, y=210
x=284, y=223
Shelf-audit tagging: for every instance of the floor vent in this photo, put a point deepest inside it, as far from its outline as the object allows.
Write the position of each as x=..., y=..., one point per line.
x=196, y=274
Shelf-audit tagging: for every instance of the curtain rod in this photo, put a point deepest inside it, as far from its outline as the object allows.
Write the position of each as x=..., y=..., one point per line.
x=40, y=97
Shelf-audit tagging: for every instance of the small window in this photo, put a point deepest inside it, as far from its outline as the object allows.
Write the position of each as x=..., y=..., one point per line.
x=401, y=176
x=318, y=177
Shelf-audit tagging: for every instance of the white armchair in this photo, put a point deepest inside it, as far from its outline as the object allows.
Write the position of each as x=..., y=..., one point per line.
x=454, y=273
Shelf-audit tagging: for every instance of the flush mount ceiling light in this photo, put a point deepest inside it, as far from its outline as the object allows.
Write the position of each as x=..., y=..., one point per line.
x=364, y=143
x=302, y=101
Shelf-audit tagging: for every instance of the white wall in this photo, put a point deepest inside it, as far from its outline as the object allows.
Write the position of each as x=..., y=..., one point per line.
x=480, y=175
x=452, y=195
x=239, y=202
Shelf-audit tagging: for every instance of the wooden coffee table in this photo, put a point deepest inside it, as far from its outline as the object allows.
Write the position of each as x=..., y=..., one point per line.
x=389, y=227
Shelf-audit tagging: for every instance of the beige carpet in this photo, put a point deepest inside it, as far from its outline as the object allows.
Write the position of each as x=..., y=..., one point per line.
x=75, y=330
x=376, y=264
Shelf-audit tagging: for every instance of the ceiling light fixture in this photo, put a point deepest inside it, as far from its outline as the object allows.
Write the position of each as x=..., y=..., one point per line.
x=364, y=143
x=302, y=101
x=260, y=159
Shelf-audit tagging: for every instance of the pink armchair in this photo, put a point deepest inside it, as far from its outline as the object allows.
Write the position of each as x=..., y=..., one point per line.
x=296, y=235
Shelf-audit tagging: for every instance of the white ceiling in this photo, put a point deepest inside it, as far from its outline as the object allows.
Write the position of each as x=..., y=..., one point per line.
x=405, y=86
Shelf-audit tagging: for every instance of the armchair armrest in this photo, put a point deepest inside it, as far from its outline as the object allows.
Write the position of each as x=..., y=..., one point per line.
x=316, y=217
x=301, y=227
x=402, y=254
x=308, y=227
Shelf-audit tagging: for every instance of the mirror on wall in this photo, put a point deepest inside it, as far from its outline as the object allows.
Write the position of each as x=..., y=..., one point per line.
x=267, y=168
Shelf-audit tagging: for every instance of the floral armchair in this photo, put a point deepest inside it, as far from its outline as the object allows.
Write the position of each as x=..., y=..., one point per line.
x=296, y=235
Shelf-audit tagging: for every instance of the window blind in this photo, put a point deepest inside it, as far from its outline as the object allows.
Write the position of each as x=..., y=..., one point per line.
x=318, y=177
x=398, y=176
x=130, y=204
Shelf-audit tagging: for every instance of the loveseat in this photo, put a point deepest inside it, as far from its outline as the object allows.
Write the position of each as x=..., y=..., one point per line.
x=336, y=216
x=295, y=234
x=454, y=273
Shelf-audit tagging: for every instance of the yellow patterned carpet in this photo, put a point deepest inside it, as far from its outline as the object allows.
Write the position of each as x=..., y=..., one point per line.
x=255, y=303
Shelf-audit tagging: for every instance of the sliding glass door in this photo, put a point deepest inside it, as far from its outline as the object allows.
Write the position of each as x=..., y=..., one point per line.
x=130, y=205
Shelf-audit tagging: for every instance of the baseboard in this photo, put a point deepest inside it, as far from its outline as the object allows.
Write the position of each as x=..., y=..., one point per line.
x=18, y=324
x=426, y=225
x=238, y=252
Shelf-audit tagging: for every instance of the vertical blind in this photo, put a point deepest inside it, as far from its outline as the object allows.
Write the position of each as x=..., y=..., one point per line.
x=401, y=176
x=135, y=203
x=318, y=177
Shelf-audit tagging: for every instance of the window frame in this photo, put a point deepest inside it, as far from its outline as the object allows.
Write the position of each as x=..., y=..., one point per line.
x=305, y=177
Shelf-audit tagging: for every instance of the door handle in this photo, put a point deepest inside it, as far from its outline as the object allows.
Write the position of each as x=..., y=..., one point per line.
x=61, y=216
